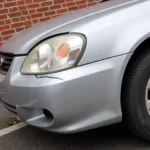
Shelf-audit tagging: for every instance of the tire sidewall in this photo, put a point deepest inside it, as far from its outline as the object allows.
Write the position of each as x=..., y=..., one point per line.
x=141, y=79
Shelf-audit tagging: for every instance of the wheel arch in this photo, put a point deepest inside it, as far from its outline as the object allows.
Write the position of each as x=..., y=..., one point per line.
x=145, y=43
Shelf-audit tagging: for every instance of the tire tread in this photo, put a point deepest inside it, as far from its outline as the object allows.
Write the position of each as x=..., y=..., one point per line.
x=127, y=97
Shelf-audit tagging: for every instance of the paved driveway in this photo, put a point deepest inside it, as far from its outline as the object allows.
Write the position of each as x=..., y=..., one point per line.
x=109, y=138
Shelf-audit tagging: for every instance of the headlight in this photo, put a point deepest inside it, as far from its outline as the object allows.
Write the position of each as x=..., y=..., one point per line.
x=54, y=54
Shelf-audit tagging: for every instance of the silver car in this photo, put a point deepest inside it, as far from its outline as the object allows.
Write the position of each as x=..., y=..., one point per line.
x=84, y=70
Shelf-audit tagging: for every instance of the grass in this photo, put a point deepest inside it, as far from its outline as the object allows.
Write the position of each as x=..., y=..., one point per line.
x=10, y=122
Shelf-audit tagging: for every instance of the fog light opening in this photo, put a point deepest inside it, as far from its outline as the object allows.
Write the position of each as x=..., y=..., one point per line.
x=47, y=114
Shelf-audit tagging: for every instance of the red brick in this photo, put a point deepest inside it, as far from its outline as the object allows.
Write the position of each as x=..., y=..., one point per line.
x=2, y=23
x=5, y=27
x=44, y=19
x=3, y=17
x=71, y=4
x=62, y=11
x=78, y=2
x=82, y=6
x=8, y=21
x=22, y=7
x=11, y=31
x=28, y=1
x=50, y=13
x=19, y=29
x=27, y=27
x=38, y=1
x=21, y=2
x=55, y=7
x=28, y=17
x=2, y=11
x=6, y=37
x=27, y=23
x=33, y=5
x=56, y=15
x=59, y=1
x=69, y=0
x=2, y=1
x=42, y=9
x=22, y=18
x=46, y=3
x=25, y=12
x=13, y=9
x=64, y=5
x=37, y=15
x=17, y=15
x=16, y=25
x=34, y=21
x=15, y=19
x=10, y=4
x=31, y=11
x=73, y=8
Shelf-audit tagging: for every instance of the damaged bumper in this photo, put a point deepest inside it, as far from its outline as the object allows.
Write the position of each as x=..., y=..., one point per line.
x=69, y=101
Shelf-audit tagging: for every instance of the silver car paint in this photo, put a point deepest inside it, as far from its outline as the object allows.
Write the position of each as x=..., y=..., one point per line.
x=87, y=96
x=81, y=98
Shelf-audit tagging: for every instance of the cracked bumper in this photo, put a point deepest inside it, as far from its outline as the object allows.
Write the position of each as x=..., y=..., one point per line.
x=78, y=99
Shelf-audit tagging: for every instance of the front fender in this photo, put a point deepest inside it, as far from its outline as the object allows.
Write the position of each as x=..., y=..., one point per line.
x=117, y=34
x=112, y=41
x=133, y=37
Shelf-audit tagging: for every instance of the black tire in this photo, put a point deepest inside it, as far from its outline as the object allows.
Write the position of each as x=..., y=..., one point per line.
x=135, y=113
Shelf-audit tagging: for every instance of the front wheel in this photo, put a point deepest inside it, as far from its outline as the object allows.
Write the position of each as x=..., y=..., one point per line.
x=136, y=96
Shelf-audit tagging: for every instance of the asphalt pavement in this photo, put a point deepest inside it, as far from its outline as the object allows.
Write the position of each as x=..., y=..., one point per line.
x=114, y=137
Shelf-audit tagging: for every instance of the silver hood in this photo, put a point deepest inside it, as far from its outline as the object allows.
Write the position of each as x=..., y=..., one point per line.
x=24, y=41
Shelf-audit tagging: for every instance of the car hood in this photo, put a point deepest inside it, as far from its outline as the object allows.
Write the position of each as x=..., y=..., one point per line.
x=24, y=41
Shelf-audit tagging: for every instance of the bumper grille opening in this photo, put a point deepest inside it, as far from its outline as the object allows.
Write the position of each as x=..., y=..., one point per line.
x=47, y=114
x=5, y=62
x=10, y=108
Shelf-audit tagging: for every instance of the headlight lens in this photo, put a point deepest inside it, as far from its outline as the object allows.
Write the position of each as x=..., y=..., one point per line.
x=54, y=54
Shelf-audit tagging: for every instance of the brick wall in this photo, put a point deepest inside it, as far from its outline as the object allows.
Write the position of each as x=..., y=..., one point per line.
x=17, y=15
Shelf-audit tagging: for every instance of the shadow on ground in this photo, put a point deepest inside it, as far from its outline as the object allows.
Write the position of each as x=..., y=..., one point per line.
x=113, y=137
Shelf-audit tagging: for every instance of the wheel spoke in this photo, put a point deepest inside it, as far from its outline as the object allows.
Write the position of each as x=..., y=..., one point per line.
x=148, y=105
x=148, y=85
x=147, y=96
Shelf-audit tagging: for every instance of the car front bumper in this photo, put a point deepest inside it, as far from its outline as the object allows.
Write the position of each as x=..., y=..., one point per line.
x=78, y=99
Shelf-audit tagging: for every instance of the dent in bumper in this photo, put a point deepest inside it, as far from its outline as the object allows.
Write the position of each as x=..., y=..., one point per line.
x=79, y=99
